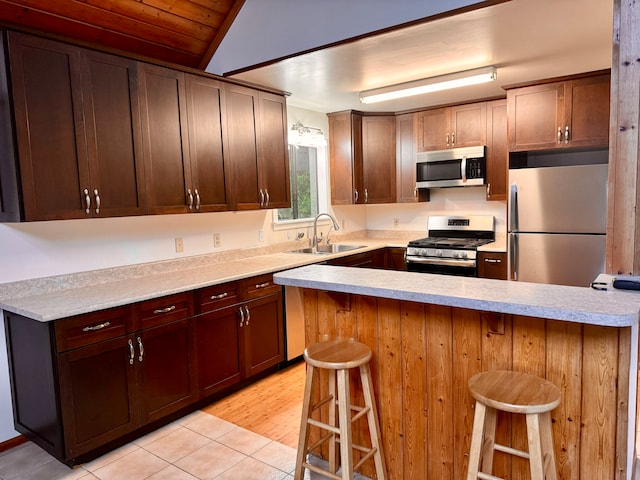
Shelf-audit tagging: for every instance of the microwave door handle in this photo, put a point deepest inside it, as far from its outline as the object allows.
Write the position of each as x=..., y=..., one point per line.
x=513, y=207
x=463, y=169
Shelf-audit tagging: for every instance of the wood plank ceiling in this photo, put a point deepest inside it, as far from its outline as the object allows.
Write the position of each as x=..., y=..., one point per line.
x=185, y=32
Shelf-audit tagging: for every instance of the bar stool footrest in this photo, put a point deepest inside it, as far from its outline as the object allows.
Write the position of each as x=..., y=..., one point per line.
x=486, y=476
x=511, y=451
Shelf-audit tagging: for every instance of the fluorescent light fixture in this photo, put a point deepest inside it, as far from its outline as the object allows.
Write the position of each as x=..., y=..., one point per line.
x=428, y=85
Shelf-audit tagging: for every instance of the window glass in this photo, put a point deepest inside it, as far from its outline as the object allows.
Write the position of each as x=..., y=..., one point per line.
x=303, y=172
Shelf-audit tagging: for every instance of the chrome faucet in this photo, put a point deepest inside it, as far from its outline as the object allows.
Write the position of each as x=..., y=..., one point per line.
x=314, y=242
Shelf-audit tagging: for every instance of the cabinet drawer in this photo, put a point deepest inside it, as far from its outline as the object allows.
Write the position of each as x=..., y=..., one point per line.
x=217, y=296
x=260, y=286
x=492, y=265
x=160, y=311
x=91, y=328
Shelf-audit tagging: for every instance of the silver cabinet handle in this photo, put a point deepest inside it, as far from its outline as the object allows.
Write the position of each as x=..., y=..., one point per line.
x=261, y=198
x=366, y=195
x=87, y=201
x=262, y=285
x=97, y=197
x=96, y=327
x=197, y=199
x=266, y=194
x=488, y=189
x=189, y=199
x=246, y=309
x=447, y=139
x=559, y=134
x=219, y=297
x=356, y=195
x=566, y=134
x=132, y=352
x=141, y=348
x=415, y=192
x=159, y=311
x=241, y=317
x=492, y=260
x=453, y=138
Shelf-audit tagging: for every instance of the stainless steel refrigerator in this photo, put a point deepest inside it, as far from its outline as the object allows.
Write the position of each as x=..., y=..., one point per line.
x=557, y=221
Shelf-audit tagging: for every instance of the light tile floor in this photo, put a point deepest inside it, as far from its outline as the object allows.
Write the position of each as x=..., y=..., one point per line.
x=198, y=446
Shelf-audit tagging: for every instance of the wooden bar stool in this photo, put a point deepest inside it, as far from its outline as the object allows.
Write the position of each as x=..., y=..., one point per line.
x=512, y=392
x=338, y=356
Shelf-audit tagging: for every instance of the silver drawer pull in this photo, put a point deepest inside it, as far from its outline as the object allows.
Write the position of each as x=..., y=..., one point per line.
x=141, y=348
x=164, y=310
x=262, y=285
x=219, y=297
x=96, y=327
x=493, y=260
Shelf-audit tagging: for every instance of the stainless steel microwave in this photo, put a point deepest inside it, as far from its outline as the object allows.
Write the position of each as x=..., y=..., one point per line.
x=454, y=167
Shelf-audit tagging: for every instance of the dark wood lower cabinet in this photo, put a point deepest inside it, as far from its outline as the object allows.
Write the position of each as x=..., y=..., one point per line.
x=372, y=259
x=86, y=384
x=492, y=265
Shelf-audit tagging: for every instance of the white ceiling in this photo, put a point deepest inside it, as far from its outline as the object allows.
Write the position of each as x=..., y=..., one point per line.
x=525, y=39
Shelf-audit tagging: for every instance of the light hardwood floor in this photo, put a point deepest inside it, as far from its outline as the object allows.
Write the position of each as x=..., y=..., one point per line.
x=270, y=407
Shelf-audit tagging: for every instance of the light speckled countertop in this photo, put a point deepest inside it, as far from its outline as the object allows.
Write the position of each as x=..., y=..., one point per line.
x=575, y=304
x=58, y=297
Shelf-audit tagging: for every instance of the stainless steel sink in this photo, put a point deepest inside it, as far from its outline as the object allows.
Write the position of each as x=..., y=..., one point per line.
x=327, y=249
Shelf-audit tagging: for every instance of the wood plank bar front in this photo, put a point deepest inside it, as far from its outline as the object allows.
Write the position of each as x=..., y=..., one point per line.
x=423, y=356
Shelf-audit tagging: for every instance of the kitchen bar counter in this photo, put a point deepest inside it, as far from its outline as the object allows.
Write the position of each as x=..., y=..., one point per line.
x=575, y=304
x=430, y=334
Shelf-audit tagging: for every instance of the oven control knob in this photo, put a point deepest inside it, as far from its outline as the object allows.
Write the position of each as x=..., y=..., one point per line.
x=438, y=253
x=455, y=254
x=463, y=254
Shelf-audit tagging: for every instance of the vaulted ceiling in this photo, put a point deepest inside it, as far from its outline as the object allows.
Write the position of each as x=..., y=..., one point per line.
x=186, y=32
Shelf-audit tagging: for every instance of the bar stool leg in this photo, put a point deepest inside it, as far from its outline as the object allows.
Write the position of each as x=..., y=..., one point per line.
x=535, y=447
x=373, y=421
x=344, y=415
x=548, y=454
x=303, y=440
x=333, y=453
x=482, y=441
x=489, y=440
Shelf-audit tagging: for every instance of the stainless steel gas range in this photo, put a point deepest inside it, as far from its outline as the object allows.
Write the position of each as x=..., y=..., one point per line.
x=451, y=245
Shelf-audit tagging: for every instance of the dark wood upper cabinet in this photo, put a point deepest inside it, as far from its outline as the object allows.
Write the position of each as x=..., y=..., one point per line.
x=406, y=148
x=565, y=114
x=49, y=127
x=77, y=130
x=206, y=109
x=362, y=154
x=450, y=127
x=497, y=150
x=273, y=151
x=163, y=108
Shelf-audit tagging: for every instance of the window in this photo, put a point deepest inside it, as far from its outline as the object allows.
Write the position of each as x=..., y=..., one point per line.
x=303, y=172
x=308, y=177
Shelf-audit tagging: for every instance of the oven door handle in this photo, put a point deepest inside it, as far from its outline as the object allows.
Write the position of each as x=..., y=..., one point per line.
x=441, y=261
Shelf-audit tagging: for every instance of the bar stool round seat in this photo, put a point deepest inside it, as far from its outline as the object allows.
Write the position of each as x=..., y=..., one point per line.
x=338, y=357
x=518, y=393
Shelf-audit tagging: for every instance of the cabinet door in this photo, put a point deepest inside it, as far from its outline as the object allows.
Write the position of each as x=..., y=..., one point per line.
x=166, y=363
x=468, y=125
x=345, y=141
x=164, y=129
x=497, y=150
x=263, y=335
x=433, y=130
x=373, y=259
x=534, y=116
x=379, y=159
x=114, y=143
x=47, y=98
x=395, y=258
x=98, y=395
x=587, y=112
x=206, y=110
x=406, y=191
x=492, y=265
x=241, y=146
x=218, y=346
x=274, y=151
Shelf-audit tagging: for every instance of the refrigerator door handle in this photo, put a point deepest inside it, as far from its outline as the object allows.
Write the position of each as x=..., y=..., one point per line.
x=513, y=257
x=513, y=207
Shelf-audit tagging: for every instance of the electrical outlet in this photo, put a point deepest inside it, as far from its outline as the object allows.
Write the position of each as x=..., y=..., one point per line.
x=217, y=243
x=261, y=235
x=342, y=224
x=179, y=245
x=396, y=222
